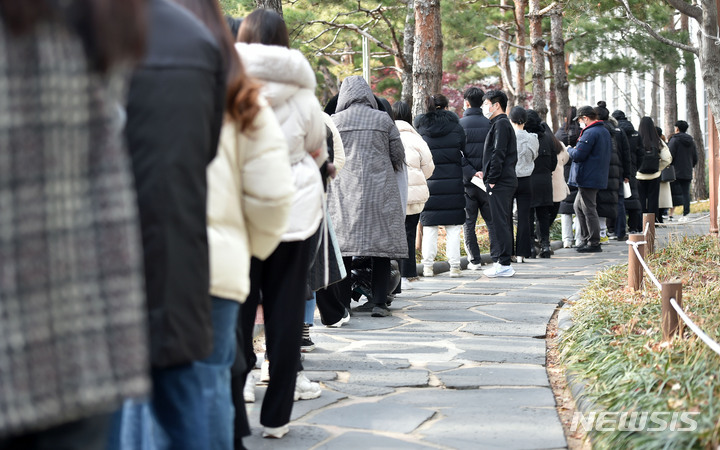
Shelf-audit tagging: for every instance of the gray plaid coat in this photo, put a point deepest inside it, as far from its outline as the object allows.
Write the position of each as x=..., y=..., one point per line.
x=364, y=201
x=72, y=321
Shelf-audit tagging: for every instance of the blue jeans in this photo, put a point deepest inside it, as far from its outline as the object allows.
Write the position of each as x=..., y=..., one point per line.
x=310, y=310
x=214, y=373
x=174, y=419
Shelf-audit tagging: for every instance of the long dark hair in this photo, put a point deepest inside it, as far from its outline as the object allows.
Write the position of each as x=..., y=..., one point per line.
x=264, y=26
x=648, y=133
x=569, y=118
x=402, y=111
x=242, y=93
x=111, y=31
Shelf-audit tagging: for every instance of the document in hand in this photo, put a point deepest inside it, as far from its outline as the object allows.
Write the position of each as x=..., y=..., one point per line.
x=477, y=181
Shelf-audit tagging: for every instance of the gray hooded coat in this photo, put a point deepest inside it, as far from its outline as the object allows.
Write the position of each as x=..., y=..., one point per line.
x=364, y=201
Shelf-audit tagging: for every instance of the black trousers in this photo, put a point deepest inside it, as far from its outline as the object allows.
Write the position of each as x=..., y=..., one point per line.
x=685, y=188
x=335, y=299
x=408, y=266
x=280, y=281
x=544, y=218
x=85, y=434
x=501, y=231
x=476, y=200
x=523, y=197
x=649, y=191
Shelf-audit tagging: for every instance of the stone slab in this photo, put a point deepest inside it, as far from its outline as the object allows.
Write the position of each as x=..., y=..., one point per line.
x=507, y=349
x=359, y=390
x=358, y=440
x=495, y=375
x=506, y=329
x=300, y=436
x=377, y=416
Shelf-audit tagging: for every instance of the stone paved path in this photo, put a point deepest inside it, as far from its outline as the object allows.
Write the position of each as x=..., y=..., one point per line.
x=459, y=365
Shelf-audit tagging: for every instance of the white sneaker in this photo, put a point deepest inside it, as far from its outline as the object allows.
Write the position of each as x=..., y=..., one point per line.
x=306, y=389
x=567, y=244
x=455, y=272
x=428, y=271
x=405, y=285
x=265, y=371
x=498, y=270
x=683, y=219
x=520, y=259
x=275, y=432
x=472, y=266
x=249, y=389
x=345, y=319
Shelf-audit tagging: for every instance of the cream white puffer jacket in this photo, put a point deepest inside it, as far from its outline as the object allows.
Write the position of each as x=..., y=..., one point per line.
x=250, y=192
x=289, y=86
x=420, y=167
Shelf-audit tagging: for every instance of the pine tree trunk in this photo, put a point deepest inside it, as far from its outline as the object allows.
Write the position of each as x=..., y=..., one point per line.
x=654, y=90
x=670, y=94
x=427, y=56
x=408, y=46
x=553, y=101
x=557, y=52
x=700, y=189
x=505, y=70
x=538, y=59
x=275, y=5
x=520, y=6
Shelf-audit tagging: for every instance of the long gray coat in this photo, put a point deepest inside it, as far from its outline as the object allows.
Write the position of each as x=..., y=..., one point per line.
x=72, y=315
x=364, y=200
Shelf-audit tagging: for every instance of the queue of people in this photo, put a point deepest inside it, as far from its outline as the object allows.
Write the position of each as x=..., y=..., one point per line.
x=151, y=219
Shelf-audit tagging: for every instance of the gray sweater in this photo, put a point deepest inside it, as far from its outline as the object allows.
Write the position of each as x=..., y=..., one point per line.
x=527, y=150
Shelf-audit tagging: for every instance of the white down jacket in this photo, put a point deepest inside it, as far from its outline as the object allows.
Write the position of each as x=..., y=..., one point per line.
x=289, y=86
x=420, y=166
x=250, y=192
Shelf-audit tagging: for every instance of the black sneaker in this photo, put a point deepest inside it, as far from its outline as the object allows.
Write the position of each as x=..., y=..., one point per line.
x=590, y=249
x=307, y=345
x=365, y=307
x=381, y=311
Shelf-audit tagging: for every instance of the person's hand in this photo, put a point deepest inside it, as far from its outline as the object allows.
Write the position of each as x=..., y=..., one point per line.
x=626, y=180
x=479, y=174
x=331, y=170
x=316, y=153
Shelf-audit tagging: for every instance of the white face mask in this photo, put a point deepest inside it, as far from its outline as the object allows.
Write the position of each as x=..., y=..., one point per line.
x=582, y=124
x=486, y=111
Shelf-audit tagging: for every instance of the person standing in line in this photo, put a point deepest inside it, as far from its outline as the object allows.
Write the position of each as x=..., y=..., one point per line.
x=684, y=158
x=420, y=167
x=608, y=199
x=441, y=130
x=288, y=82
x=632, y=203
x=476, y=128
x=73, y=321
x=568, y=135
x=527, y=151
x=499, y=176
x=589, y=172
x=365, y=201
x=541, y=179
x=655, y=156
x=175, y=112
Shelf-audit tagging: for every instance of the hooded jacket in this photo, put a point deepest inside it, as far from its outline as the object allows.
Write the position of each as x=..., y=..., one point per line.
x=684, y=155
x=364, y=200
x=289, y=86
x=500, y=155
x=445, y=136
x=420, y=167
x=476, y=128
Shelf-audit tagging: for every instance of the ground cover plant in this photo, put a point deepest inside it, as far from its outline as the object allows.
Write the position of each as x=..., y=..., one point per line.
x=616, y=347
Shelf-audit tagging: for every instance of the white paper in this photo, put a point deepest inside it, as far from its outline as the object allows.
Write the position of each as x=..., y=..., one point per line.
x=477, y=181
x=626, y=189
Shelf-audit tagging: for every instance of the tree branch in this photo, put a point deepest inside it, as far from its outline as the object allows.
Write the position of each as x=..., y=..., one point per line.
x=689, y=10
x=358, y=30
x=506, y=77
x=649, y=30
x=511, y=44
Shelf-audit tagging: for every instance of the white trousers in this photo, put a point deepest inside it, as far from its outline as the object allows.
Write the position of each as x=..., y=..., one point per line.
x=570, y=223
x=452, y=245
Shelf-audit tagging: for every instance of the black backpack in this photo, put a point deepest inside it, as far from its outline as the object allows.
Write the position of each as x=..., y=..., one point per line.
x=650, y=160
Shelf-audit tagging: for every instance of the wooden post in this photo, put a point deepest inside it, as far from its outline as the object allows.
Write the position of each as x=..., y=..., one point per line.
x=635, y=269
x=649, y=225
x=671, y=322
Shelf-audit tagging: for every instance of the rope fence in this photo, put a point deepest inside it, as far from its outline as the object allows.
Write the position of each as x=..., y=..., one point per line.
x=671, y=291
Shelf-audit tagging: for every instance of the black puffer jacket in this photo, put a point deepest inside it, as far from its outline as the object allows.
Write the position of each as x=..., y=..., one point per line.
x=684, y=155
x=171, y=142
x=541, y=178
x=607, y=199
x=633, y=140
x=446, y=138
x=476, y=128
